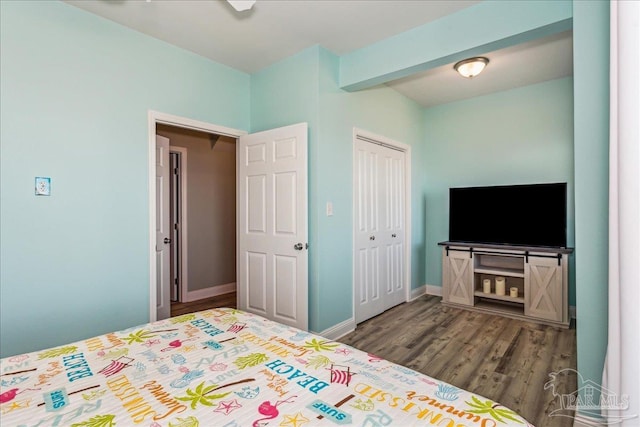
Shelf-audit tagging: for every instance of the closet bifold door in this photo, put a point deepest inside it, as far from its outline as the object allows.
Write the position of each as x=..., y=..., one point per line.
x=379, y=194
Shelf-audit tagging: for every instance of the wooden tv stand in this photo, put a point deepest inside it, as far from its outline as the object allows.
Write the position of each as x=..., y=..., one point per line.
x=539, y=273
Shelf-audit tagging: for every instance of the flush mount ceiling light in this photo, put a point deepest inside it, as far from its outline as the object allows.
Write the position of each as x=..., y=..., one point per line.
x=241, y=5
x=471, y=67
x=238, y=5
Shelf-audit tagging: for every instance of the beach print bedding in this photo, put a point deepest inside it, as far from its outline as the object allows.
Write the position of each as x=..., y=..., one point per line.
x=227, y=368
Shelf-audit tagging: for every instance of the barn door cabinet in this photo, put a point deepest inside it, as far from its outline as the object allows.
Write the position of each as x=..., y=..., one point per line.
x=539, y=274
x=457, y=278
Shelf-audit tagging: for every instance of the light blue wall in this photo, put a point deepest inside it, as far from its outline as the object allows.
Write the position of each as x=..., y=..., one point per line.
x=591, y=87
x=75, y=91
x=519, y=136
x=305, y=88
x=382, y=111
x=286, y=92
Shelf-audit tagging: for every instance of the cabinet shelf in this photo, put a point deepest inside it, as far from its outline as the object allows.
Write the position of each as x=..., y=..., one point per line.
x=495, y=307
x=511, y=272
x=507, y=298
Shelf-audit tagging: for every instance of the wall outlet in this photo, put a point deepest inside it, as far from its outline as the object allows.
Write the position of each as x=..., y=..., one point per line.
x=329, y=209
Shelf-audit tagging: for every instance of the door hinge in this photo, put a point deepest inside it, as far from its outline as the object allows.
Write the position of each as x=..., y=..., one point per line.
x=175, y=171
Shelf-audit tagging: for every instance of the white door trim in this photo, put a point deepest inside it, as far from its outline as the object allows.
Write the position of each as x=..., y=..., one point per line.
x=388, y=142
x=184, y=273
x=154, y=118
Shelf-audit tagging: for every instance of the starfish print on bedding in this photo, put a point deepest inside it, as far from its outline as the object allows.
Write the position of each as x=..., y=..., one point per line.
x=188, y=348
x=21, y=404
x=228, y=406
x=294, y=420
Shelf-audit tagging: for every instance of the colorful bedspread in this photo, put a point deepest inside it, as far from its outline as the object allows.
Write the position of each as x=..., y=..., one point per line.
x=227, y=368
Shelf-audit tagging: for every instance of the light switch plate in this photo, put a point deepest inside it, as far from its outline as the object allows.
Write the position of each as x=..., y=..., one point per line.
x=43, y=186
x=329, y=209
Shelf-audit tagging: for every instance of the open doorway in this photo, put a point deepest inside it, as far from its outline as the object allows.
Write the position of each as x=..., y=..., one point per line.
x=202, y=212
x=159, y=283
x=272, y=258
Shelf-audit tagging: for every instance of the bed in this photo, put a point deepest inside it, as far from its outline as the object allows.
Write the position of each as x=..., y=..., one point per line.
x=228, y=368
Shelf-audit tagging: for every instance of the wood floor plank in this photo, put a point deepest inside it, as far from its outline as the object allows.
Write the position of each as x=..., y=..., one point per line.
x=472, y=355
x=225, y=300
x=526, y=392
x=488, y=381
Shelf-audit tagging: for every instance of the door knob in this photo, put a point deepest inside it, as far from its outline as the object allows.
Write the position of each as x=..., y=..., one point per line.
x=298, y=246
x=167, y=240
x=393, y=235
x=372, y=237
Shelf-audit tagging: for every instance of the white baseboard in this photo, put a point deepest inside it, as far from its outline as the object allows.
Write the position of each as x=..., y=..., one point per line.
x=580, y=420
x=213, y=291
x=341, y=329
x=434, y=290
x=417, y=292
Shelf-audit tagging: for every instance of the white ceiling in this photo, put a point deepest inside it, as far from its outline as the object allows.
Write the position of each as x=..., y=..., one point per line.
x=275, y=29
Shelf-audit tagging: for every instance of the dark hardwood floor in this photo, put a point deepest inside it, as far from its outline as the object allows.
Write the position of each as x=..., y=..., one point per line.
x=226, y=300
x=502, y=359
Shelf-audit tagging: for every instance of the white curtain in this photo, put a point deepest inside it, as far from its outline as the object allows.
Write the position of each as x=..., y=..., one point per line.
x=621, y=376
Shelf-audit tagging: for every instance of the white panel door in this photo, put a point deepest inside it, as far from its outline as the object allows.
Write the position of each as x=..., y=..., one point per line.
x=367, y=265
x=379, y=236
x=392, y=230
x=163, y=229
x=272, y=224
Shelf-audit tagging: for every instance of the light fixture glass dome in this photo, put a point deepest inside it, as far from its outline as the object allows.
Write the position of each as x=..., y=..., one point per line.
x=471, y=67
x=241, y=5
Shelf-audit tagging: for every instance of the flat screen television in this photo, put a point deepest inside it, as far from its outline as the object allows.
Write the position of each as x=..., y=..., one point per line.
x=529, y=215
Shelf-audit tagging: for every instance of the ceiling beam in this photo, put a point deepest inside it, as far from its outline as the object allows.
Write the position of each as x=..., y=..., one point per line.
x=476, y=30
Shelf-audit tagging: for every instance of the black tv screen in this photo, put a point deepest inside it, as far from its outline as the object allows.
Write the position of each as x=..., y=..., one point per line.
x=530, y=215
